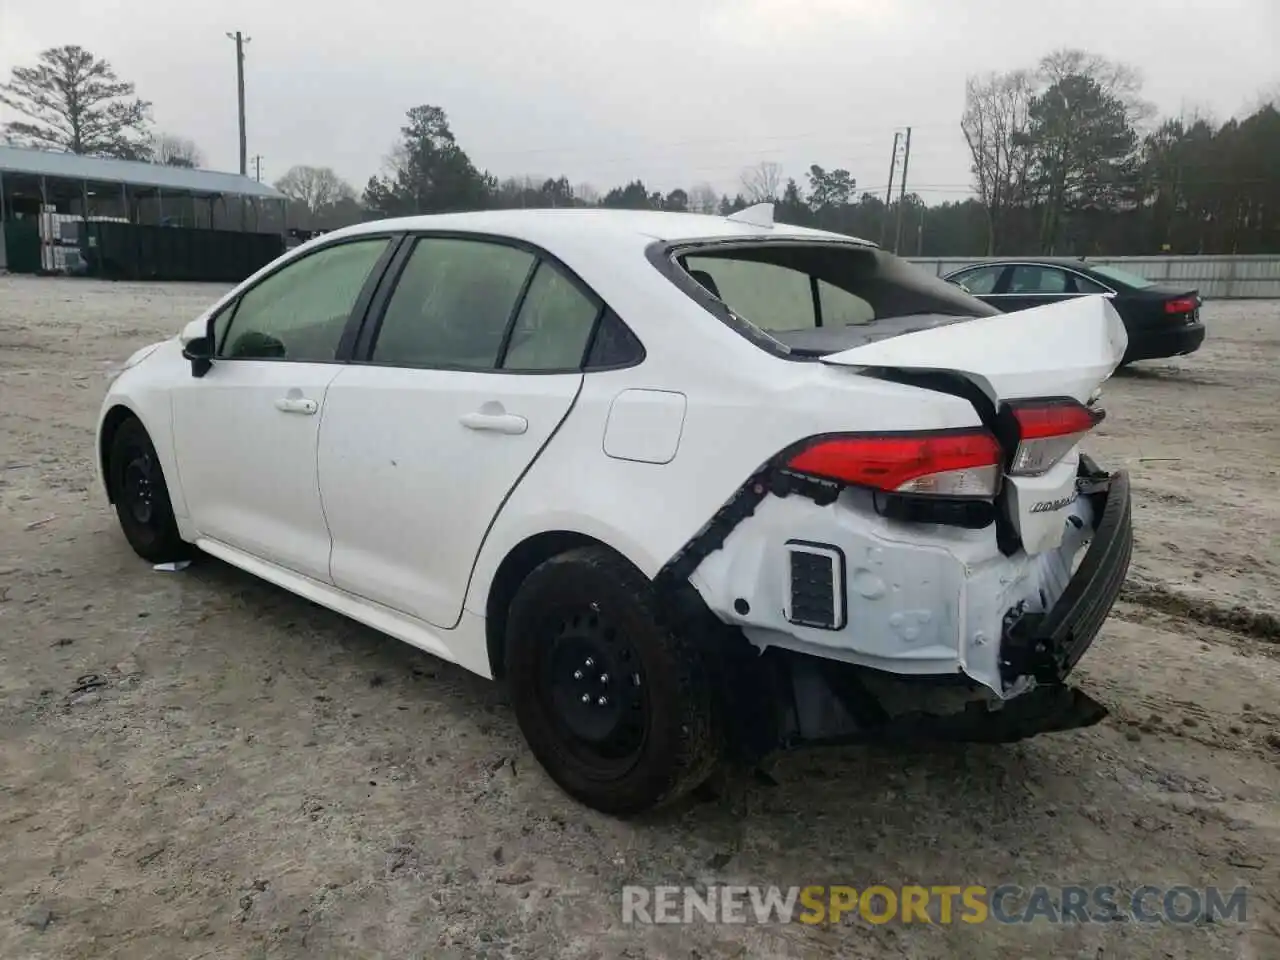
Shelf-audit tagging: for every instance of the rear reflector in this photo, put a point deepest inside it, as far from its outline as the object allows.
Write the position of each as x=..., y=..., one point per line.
x=1181, y=305
x=1047, y=432
x=957, y=463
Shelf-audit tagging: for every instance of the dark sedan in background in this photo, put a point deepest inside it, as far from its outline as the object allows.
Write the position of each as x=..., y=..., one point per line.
x=1162, y=319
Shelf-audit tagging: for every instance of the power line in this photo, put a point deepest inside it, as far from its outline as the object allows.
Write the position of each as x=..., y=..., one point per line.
x=700, y=141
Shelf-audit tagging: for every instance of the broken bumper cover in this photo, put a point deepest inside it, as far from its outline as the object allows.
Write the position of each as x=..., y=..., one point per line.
x=1038, y=652
x=1048, y=645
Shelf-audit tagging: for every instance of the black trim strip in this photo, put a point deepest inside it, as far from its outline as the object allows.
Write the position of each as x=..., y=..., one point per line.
x=372, y=320
x=510, y=329
x=355, y=323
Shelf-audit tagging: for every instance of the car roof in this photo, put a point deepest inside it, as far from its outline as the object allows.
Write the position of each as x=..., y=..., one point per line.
x=549, y=227
x=1075, y=263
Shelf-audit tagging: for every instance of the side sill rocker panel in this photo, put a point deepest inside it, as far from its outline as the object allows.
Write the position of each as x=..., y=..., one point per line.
x=374, y=615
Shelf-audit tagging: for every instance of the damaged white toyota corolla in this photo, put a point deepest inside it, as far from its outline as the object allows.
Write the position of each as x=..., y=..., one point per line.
x=695, y=488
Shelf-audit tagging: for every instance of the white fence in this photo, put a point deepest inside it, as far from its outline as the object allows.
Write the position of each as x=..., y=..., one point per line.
x=1217, y=278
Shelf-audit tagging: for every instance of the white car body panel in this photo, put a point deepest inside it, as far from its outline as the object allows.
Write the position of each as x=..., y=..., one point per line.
x=1063, y=349
x=391, y=510
x=918, y=603
x=409, y=487
x=1059, y=350
x=248, y=467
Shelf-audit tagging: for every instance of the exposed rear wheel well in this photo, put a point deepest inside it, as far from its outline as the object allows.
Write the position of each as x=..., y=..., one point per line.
x=110, y=424
x=519, y=563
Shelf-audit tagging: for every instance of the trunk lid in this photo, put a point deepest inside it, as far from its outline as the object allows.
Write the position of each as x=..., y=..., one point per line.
x=1063, y=349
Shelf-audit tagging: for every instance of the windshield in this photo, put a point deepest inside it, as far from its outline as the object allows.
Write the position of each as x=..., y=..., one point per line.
x=822, y=297
x=1121, y=276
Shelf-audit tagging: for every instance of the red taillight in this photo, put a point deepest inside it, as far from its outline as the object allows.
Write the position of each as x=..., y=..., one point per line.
x=961, y=463
x=1181, y=305
x=1047, y=432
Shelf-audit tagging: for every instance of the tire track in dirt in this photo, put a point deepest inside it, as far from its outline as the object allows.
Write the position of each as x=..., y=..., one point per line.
x=1258, y=624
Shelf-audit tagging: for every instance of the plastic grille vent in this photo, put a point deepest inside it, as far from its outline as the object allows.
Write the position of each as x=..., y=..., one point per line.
x=813, y=590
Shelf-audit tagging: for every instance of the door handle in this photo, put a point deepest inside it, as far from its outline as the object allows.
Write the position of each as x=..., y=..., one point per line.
x=507, y=423
x=297, y=405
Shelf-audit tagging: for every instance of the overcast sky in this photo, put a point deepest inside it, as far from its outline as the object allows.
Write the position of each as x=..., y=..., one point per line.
x=672, y=91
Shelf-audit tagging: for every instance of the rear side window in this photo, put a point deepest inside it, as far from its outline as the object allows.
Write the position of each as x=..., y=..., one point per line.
x=553, y=326
x=1085, y=285
x=1027, y=278
x=817, y=298
x=452, y=304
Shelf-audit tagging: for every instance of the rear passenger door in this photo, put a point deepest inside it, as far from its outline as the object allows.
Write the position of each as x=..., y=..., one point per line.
x=1034, y=285
x=470, y=360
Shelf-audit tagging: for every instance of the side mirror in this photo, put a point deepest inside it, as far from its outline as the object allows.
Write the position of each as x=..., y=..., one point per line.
x=200, y=352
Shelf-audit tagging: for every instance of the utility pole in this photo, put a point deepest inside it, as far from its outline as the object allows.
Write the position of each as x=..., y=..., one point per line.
x=257, y=167
x=902, y=195
x=241, y=40
x=888, y=191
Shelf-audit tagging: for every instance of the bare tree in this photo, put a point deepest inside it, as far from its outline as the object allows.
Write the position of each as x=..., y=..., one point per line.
x=74, y=102
x=762, y=182
x=316, y=188
x=1114, y=79
x=703, y=198
x=997, y=115
x=174, y=151
x=587, y=195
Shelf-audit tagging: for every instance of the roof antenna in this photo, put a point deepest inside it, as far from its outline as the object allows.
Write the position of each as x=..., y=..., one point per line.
x=758, y=215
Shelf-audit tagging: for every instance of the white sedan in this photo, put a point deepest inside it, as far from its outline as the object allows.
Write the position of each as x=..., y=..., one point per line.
x=696, y=488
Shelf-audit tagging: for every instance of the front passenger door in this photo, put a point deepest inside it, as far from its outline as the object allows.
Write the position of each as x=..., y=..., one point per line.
x=246, y=432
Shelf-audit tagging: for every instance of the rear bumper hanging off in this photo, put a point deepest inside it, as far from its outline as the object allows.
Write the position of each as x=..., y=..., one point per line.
x=794, y=698
x=1048, y=645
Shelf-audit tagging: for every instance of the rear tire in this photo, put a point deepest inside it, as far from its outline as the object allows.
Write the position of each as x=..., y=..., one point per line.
x=141, y=497
x=615, y=704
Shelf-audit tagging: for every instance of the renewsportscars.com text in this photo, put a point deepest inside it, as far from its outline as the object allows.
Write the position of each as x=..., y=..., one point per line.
x=935, y=904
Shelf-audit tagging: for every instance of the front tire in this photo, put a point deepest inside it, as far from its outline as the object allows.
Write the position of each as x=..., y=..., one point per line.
x=615, y=704
x=141, y=497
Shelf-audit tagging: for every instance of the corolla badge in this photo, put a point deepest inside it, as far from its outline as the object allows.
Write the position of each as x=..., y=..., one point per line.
x=1049, y=506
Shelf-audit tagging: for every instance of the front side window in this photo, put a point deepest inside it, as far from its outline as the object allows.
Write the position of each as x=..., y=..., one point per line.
x=553, y=326
x=452, y=304
x=980, y=281
x=300, y=311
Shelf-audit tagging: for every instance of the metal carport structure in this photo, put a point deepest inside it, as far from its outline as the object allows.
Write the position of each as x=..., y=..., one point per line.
x=33, y=181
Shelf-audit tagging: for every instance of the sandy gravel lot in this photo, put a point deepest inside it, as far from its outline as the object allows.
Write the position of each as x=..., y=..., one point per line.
x=261, y=778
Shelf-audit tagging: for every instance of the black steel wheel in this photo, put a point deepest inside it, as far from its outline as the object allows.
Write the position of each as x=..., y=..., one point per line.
x=141, y=497
x=615, y=705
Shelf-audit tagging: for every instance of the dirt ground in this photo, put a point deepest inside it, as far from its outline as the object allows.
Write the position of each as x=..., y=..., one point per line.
x=261, y=778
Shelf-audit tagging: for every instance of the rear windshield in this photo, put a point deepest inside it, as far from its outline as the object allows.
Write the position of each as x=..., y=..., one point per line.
x=1121, y=276
x=822, y=298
